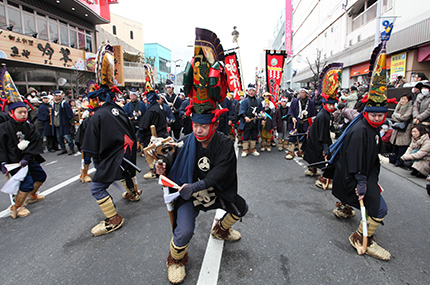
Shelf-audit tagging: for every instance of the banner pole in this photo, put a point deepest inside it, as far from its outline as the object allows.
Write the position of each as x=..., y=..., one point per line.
x=241, y=66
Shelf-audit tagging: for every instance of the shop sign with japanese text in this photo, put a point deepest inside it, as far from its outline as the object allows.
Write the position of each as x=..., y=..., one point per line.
x=14, y=46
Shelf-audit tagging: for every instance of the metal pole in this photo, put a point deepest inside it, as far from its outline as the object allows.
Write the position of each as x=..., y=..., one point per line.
x=378, y=22
x=240, y=62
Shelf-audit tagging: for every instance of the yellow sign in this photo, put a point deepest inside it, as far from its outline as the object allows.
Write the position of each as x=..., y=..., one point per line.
x=119, y=65
x=398, y=65
x=14, y=46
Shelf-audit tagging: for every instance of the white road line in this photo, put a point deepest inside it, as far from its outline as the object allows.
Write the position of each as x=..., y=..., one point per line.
x=5, y=213
x=52, y=162
x=212, y=260
x=300, y=162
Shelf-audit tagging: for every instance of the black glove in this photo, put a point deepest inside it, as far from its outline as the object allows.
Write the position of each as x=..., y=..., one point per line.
x=189, y=189
x=340, y=106
x=3, y=167
x=361, y=184
x=23, y=162
x=326, y=150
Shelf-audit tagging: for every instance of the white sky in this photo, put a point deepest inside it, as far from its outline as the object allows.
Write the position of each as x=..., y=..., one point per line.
x=172, y=24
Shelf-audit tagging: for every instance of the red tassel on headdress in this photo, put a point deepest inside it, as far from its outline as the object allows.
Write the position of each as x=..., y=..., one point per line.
x=218, y=113
x=364, y=100
x=188, y=109
x=28, y=103
x=392, y=100
x=116, y=90
x=96, y=87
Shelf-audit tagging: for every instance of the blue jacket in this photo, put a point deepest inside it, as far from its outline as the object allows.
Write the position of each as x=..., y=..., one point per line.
x=129, y=111
x=244, y=110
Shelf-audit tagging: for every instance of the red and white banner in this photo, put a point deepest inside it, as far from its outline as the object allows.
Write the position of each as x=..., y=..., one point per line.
x=233, y=74
x=274, y=68
x=288, y=25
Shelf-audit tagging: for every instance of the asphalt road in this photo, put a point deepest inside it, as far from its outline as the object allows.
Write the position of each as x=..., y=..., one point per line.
x=289, y=236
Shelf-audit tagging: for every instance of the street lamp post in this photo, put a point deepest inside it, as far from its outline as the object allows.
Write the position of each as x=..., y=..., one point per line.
x=169, y=64
x=235, y=35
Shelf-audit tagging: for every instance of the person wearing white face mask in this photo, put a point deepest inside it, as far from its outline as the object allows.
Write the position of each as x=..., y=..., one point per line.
x=421, y=106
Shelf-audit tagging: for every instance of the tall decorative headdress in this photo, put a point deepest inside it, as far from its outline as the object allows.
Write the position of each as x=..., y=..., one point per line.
x=377, y=98
x=205, y=80
x=9, y=93
x=149, y=78
x=328, y=82
x=105, y=74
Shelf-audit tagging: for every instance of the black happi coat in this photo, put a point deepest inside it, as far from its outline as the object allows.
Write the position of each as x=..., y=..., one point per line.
x=221, y=175
x=319, y=134
x=45, y=118
x=10, y=134
x=3, y=117
x=359, y=153
x=156, y=116
x=108, y=138
x=176, y=104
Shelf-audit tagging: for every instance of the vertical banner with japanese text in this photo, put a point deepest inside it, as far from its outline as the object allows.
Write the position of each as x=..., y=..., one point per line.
x=288, y=26
x=233, y=74
x=119, y=65
x=274, y=67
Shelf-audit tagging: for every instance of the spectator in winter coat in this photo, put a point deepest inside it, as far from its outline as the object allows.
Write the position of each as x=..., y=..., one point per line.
x=417, y=156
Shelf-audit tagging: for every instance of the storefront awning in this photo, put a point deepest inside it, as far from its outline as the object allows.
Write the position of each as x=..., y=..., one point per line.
x=424, y=53
x=363, y=68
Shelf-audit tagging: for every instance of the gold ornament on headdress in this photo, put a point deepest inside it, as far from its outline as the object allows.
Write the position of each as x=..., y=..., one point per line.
x=105, y=65
x=378, y=77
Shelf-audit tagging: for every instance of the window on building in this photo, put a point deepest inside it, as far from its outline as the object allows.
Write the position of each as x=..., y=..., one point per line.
x=64, y=35
x=131, y=34
x=13, y=4
x=29, y=24
x=27, y=9
x=72, y=38
x=14, y=17
x=3, y=22
x=81, y=39
x=42, y=28
x=162, y=63
x=53, y=32
x=88, y=43
x=114, y=29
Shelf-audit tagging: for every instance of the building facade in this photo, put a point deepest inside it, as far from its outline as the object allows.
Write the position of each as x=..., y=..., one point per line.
x=344, y=31
x=159, y=57
x=44, y=44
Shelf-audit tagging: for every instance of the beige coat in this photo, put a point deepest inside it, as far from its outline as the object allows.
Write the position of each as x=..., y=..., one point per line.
x=421, y=108
x=402, y=113
x=422, y=156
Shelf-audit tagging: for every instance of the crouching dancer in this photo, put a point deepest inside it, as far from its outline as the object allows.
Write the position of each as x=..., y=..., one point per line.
x=205, y=167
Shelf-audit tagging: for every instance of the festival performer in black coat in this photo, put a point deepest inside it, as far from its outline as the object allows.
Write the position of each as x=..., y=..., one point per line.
x=174, y=102
x=20, y=143
x=357, y=162
x=205, y=166
x=109, y=138
x=316, y=145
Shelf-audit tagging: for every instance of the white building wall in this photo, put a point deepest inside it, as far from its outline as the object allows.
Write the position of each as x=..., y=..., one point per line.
x=327, y=25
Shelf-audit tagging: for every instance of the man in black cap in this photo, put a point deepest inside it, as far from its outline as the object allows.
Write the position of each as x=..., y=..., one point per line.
x=300, y=114
x=174, y=103
x=62, y=118
x=135, y=109
x=249, y=110
x=156, y=116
